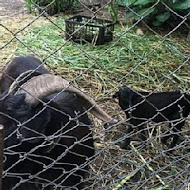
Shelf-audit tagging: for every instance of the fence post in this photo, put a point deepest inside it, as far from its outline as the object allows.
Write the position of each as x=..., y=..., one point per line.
x=1, y=153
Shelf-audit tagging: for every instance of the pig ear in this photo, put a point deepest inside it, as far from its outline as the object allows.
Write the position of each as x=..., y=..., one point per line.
x=16, y=107
x=15, y=104
x=132, y=95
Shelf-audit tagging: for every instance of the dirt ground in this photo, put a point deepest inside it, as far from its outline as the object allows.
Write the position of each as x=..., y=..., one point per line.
x=9, y=8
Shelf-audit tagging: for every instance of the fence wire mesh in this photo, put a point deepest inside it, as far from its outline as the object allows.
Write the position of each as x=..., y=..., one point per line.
x=51, y=143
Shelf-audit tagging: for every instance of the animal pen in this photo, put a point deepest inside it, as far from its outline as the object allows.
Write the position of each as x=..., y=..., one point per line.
x=137, y=55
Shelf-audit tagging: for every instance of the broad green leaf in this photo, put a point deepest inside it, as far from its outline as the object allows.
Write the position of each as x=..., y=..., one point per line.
x=175, y=1
x=126, y=2
x=129, y=15
x=144, y=12
x=156, y=23
x=142, y=2
x=181, y=5
x=163, y=17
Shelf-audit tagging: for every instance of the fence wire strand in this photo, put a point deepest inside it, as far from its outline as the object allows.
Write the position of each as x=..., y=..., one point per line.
x=58, y=143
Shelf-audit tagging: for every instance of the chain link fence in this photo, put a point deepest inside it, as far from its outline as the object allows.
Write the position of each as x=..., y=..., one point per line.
x=51, y=143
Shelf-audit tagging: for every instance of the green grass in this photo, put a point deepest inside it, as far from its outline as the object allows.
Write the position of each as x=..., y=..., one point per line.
x=145, y=61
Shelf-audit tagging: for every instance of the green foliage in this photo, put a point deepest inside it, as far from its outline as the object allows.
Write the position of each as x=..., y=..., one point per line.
x=29, y=5
x=182, y=5
x=112, y=60
x=155, y=11
x=126, y=2
x=144, y=12
x=51, y=6
x=161, y=18
x=142, y=2
x=112, y=8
